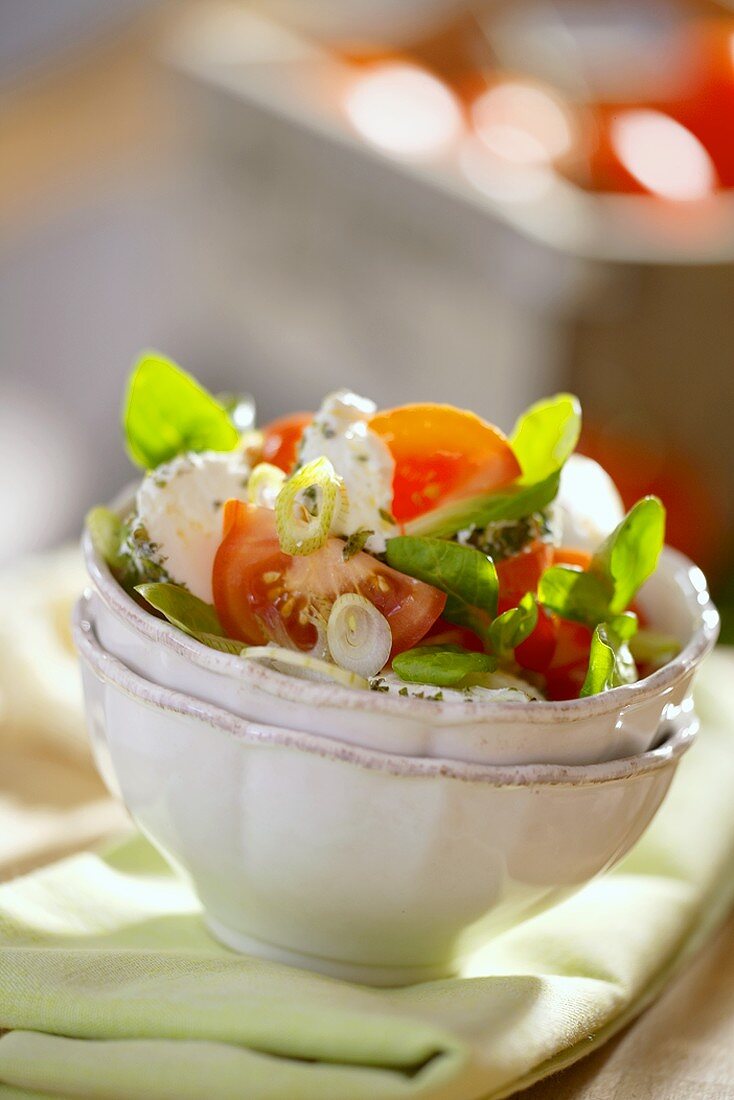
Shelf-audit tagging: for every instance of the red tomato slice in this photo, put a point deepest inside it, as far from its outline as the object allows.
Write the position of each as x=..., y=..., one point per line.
x=536, y=652
x=567, y=671
x=522, y=572
x=282, y=436
x=262, y=594
x=445, y=633
x=442, y=453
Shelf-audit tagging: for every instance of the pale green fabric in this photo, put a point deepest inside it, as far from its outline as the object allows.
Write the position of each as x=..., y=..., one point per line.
x=112, y=988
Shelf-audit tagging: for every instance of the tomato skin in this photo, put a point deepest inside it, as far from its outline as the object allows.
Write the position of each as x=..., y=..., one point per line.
x=442, y=453
x=567, y=671
x=521, y=572
x=262, y=594
x=536, y=652
x=445, y=633
x=281, y=439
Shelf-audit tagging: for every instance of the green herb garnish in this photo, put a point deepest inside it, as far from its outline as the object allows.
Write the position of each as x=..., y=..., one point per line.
x=441, y=666
x=511, y=628
x=611, y=663
x=355, y=542
x=546, y=435
x=190, y=614
x=167, y=413
x=467, y=576
x=619, y=567
x=649, y=647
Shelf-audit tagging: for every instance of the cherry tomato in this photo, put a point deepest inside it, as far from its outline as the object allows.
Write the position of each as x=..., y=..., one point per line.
x=442, y=453
x=262, y=594
x=282, y=436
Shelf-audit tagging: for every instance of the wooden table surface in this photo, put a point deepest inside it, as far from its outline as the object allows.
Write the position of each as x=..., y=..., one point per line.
x=680, y=1049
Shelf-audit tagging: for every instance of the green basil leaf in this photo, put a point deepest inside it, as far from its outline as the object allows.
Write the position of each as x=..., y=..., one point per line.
x=619, y=567
x=512, y=503
x=611, y=663
x=630, y=554
x=467, y=576
x=575, y=594
x=652, y=648
x=546, y=435
x=111, y=539
x=512, y=627
x=167, y=412
x=443, y=666
x=107, y=533
x=190, y=614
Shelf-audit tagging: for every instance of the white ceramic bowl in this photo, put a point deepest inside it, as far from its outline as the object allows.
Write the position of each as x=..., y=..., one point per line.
x=364, y=865
x=619, y=723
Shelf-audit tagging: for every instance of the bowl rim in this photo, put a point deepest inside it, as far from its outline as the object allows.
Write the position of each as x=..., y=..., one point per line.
x=435, y=713
x=110, y=670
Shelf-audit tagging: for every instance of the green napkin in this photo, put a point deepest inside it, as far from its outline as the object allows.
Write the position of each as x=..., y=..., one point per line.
x=110, y=986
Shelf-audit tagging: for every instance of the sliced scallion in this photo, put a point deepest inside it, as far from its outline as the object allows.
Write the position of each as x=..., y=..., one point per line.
x=307, y=505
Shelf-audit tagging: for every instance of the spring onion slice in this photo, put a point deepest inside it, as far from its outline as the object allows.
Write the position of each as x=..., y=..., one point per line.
x=264, y=484
x=307, y=506
x=359, y=635
x=296, y=659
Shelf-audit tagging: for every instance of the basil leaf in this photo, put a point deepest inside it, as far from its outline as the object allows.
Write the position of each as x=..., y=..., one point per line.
x=167, y=412
x=111, y=539
x=513, y=503
x=611, y=663
x=546, y=435
x=512, y=627
x=107, y=533
x=467, y=576
x=575, y=594
x=652, y=648
x=619, y=567
x=630, y=554
x=444, y=666
x=190, y=614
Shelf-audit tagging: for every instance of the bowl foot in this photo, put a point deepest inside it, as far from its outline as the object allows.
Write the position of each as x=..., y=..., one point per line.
x=365, y=974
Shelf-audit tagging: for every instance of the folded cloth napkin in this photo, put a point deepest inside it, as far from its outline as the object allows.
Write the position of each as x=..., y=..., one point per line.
x=110, y=986
x=40, y=685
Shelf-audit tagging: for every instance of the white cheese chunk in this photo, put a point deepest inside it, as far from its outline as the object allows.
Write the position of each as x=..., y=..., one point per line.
x=588, y=506
x=180, y=507
x=339, y=432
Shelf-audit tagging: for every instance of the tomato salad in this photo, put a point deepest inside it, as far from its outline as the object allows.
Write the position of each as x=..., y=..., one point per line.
x=417, y=550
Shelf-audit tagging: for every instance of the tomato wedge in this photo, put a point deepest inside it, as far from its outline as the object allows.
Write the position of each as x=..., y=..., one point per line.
x=442, y=453
x=521, y=572
x=566, y=671
x=262, y=594
x=281, y=439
